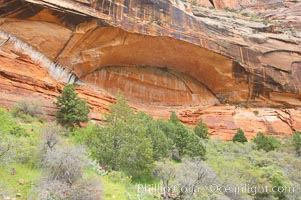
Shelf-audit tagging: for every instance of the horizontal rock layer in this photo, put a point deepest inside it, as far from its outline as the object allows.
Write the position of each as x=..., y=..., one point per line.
x=20, y=79
x=79, y=38
x=163, y=55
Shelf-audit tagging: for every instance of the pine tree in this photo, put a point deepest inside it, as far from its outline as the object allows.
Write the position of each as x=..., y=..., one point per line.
x=240, y=137
x=71, y=109
x=201, y=130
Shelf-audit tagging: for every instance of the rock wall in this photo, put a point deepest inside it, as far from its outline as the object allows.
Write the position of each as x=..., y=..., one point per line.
x=163, y=55
x=248, y=49
x=152, y=85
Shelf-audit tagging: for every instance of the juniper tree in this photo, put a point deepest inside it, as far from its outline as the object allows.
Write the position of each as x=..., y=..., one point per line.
x=71, y=109
x=201, y=130
x=267, y=143
x=240, y=136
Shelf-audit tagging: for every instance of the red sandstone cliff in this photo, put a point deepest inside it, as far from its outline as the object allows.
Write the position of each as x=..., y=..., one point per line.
x=163, y=55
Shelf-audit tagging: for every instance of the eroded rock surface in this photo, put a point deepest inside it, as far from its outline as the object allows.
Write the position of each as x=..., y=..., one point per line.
x=163, y=55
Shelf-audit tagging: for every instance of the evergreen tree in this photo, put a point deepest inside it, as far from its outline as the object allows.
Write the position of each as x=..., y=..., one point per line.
x=195, y=147
x=181, y=139
x=168, y=129
x=71, y=109
x=174, y=118
x=124, y=143
x=186, y=143
x=267, y=143
x=161, y=144
x=240, y=136
x=201, y=130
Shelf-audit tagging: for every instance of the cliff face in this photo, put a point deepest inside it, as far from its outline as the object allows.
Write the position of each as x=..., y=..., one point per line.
x=163, y=55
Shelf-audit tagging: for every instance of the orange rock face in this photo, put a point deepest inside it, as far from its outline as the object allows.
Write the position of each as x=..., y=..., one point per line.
x=163, y=55
x=150, y=85
x=223, y=121
x=223, y=3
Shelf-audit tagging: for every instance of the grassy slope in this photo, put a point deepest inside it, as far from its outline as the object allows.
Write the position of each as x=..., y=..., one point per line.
x=112, y=189
x=23, y=172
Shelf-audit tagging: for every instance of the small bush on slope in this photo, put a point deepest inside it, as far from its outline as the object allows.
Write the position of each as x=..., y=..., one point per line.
x=64, y=166
x=26, y=110
x=239, y=164
x=240, y=137
x=201, y=130
x=267, y=143
x=16, y=142
x=186, y=180
x=297, y=143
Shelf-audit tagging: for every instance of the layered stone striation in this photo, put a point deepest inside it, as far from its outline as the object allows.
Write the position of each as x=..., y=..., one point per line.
x=163, y=55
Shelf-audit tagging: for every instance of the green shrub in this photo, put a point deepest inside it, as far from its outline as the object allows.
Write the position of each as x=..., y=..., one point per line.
x=26, y=110
x=119, y=177
x=26, y=107
x=246, y=14
x=6, y=149
x=22, y=144
x=177, y=178
x=9, y=125
x=72, y=110
x=201, y=130
x=297, y=142
x=185, y=142
x=240, y=136
x=277, y=183
x=160, y=142
x=65, y=163
x=131, y=142
x=173, y=118
x=123, y=143
x=195, y=147
x=228, y=9
x=265, y=21
x=64, y=167
x=26, y=150
x=267, y=143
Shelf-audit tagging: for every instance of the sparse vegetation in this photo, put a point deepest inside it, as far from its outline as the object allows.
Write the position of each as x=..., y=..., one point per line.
x=265, y=21
x=246, y=14
x=46, y=161
x=191, y=173
x=25, y=107
x=256, y=112
x=293, y=31
x=26, y=110
x=228, y=9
